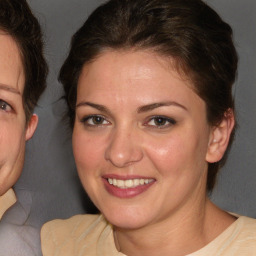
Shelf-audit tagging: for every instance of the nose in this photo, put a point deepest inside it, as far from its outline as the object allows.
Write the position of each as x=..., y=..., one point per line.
x=124, y=148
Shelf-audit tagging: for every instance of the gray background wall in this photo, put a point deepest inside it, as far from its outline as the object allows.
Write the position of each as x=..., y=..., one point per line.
x=49, y=174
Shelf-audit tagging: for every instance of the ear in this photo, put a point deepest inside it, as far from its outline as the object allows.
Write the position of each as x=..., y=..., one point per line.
x=219, y=138
x=31, y=127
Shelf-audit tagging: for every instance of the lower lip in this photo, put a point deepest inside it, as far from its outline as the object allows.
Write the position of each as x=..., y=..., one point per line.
x=126, y=192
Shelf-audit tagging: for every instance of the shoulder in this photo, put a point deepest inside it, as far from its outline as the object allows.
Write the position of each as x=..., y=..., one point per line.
x=70, y=223
x=248, y=227
x=78, y=223
x=66, y=235
x=18, y=240
x=18, y=235
x=244, y=236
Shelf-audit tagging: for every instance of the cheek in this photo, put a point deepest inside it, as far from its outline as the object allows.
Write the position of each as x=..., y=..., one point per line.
x=89, y=157
x=88, y=151
x=12, y=139
x=177, y=155
x=167, y=151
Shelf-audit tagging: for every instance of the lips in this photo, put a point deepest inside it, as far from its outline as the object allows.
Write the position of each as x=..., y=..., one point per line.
x=127, y=187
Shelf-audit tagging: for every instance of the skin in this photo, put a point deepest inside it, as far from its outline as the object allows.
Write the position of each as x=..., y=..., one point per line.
x=116, y=134
x=14, y=131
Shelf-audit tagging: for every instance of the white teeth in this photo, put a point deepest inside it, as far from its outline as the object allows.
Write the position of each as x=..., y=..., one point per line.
x=136, y=182
x=128, y=183
x=132, y=183
x=120, y=183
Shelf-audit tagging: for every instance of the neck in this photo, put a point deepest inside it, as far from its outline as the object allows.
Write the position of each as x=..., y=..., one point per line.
x=180, y=234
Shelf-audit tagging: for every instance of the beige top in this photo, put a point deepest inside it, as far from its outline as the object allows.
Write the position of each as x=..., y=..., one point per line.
x=6, y=201
x=92, y=235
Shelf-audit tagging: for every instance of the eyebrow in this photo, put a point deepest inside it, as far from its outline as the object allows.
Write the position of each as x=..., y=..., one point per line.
x=153, y=106
x=9, y=89
x=141, y=109
x=93, y=105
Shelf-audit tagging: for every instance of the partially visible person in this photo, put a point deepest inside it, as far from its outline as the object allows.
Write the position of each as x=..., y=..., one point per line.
x=23, y=72
x=148, y=85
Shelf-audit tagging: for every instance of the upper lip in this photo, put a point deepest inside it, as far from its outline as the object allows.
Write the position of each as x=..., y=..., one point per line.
x=125, y=177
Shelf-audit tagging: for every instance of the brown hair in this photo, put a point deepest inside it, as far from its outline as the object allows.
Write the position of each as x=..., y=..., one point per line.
x=189, y=31
x=17, y=20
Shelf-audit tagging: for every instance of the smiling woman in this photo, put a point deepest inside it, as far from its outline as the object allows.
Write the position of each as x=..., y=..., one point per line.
x=149, y=89
x=151, y=135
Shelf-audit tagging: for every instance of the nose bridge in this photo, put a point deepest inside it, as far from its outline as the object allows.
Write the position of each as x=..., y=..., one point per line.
x=124, y=146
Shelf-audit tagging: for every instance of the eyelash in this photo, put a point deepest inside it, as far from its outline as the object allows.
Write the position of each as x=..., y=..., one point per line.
x=101, y=119
x=4, y=105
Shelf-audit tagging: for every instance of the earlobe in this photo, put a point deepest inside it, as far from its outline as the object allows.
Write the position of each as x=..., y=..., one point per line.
x=219, y=138
x=31, y=126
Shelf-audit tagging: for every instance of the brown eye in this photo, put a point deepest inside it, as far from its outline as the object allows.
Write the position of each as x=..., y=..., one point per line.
x=161, y=122
x=97, y=120
x=94, y=120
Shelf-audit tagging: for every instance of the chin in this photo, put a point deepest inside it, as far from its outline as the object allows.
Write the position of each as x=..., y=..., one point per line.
x=127, y=218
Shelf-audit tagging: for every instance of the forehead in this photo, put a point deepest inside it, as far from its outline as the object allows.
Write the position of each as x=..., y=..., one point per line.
x=134, y=78
x=140, y=57
x=126, y=67
x=11, y=67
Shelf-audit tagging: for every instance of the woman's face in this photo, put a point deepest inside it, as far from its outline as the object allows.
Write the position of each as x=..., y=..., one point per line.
x=140, y=138
x=13, y=131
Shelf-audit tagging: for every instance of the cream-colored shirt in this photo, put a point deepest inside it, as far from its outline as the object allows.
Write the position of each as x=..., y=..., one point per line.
x=92, y=235
x=6, y=201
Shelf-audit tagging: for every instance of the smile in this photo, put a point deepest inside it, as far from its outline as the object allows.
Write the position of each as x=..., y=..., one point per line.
x=131, y=183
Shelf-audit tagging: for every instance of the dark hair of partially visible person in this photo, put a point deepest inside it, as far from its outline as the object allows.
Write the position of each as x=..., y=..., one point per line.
x=17, y=20
x=188, y=31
